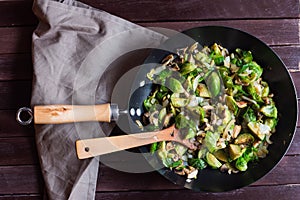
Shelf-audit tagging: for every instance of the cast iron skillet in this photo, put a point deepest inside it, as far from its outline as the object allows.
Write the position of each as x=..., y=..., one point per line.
x=281, y=84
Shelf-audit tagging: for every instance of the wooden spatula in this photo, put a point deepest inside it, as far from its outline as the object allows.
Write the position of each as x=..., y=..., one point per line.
x=98, y=146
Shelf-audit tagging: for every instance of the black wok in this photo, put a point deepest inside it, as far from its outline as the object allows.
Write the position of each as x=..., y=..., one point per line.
x=281, y=84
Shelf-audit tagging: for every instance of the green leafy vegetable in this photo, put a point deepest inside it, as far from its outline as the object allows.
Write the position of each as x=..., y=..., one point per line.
x=174, y=85
x=219, y=101
x=197, y=163
x=269, y=111
x=211, y=141
x=214, y=84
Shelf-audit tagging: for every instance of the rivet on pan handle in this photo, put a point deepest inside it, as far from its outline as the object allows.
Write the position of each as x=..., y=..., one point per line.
x=24, y=110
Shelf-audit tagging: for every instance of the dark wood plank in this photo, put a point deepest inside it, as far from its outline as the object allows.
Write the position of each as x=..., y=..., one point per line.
x=10, y=128
x=284, y=192
x=295, y=146
x=18, y=151
x=15, y=67
x=269, y=31
x=15, y=94
x=296, y=79
x=18, y=39
x=20, y=180
x=113, y=180
x=19, y=12
x=16, y=13
x=288, y=165
x=171, y=10
x=289, y=55
x=21, y=197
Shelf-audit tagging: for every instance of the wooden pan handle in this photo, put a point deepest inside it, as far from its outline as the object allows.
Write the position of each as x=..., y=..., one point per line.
x=98, y=146
x=58, y=114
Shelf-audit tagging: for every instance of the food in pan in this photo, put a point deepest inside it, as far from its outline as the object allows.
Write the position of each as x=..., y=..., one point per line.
x=219, y=101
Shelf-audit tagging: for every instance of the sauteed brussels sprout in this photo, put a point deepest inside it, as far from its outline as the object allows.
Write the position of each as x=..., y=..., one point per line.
x=219, y=101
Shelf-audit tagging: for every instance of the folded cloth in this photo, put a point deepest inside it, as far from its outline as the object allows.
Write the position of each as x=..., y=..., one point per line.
x=67, y=33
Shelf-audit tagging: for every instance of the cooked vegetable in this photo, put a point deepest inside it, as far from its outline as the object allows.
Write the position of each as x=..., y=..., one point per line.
x=244, y=138
x=213, y=83
x=235, y=151
x=217, y=100
x=197, y=163
x=213, y=161
x=221, y=155
x=269, y=111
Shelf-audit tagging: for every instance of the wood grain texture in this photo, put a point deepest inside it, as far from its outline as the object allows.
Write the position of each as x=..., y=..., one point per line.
x=19, y=12
x=20, y=179
x=14, y=94
x=285, y=192
x=170, y=10
x=18, y=39
x=296, y=79
x=295, y=146
x=60, y=114
x=18, y=151
x=15, y=67
x=21, y=197
x=16, y=13
x=9, y=127
x=290, y=56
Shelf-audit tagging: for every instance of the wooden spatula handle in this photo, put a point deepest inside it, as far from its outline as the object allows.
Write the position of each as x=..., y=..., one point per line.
x=58, y=114
x=98, y=146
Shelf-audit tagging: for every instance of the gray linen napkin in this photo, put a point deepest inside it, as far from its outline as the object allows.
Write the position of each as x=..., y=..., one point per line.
x=68, y=32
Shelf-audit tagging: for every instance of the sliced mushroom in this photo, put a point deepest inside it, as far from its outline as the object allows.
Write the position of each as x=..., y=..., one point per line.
x=167, y=60
x=236, y=131
x=193, y=47
x=224, y=168
x=221, y=143
x=241, y=104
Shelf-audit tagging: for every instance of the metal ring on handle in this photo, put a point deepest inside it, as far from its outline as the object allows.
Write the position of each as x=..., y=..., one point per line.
x=28, y=111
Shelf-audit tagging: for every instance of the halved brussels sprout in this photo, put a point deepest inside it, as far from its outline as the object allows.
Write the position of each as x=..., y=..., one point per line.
x=244, y=138
x=221, y=155
x=213, y=83
x=213, y=161
x=269, y=111
x=235, y=151
x=202, y=90
x=232, y=105
x=187, y=67
x=241, y=164
x=250, y=72
x=177, y=101
x=259, y=129
x=174, y=85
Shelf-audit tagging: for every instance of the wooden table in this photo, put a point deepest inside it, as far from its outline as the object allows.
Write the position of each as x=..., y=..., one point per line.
x=276, y=22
